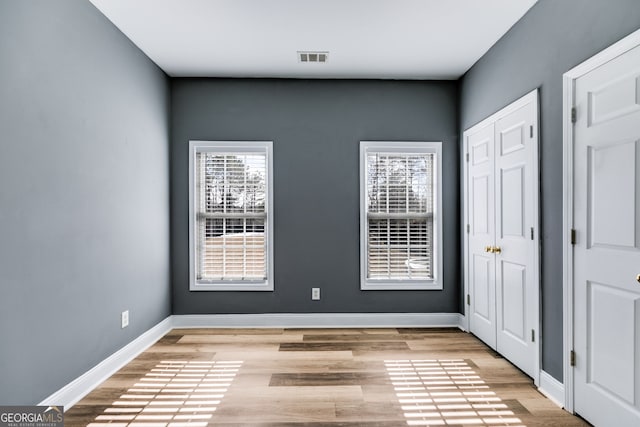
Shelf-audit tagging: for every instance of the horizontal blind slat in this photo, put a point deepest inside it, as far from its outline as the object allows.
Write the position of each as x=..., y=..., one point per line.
x=240, y=215
x=392, y=215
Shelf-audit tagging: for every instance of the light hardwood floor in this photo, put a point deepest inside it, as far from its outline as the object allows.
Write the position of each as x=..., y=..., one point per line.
x=318, y=377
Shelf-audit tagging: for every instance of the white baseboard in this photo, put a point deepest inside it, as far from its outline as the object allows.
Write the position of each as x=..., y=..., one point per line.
x=319, y=320
x=552, y=388
x=70, y=394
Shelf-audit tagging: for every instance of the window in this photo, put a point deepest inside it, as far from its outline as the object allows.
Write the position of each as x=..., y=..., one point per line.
x=230, y=229
x=400, y=215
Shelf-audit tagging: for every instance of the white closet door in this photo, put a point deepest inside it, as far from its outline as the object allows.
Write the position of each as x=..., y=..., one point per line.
x=481, y=263
x=516, y=286
x=607, y=251
x=502, y=242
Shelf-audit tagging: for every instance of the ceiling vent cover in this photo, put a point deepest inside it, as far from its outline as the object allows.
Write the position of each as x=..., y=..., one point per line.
x=313, y=56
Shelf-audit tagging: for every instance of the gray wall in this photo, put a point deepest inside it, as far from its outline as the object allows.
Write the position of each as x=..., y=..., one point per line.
x=84, y=194
x=316, y=127
x=551, y=38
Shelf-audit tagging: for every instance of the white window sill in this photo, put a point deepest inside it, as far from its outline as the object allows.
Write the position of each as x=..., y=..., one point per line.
x=232, y=286
x=407, y=285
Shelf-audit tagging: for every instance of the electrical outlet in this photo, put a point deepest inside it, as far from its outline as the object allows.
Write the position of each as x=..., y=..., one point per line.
x=315, y=294
x=124, y=319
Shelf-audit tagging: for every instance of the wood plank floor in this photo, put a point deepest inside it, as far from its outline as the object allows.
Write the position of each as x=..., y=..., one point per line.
x=318, y=377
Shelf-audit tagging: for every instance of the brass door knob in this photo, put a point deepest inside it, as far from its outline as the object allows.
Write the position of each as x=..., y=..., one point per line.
x=638, y=278
x=496, y=249
x=488, y=249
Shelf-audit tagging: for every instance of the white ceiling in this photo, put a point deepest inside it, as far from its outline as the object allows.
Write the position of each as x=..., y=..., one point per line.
x=388, y=39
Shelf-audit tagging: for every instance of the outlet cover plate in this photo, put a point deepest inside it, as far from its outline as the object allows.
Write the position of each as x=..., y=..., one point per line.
x=124, y=319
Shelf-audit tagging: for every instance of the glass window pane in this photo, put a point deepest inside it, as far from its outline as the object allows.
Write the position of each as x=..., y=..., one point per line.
x=400, y=186
x=231, y=240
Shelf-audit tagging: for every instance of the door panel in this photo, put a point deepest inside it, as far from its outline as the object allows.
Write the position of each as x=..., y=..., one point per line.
x=609, y=354
x=482, y=295
x=480, y=150
x=512, y=188
x=611, y=166
x=614, y=99
x=480, y=195
x=607, y=251
x=514, y=291
x=512, y=139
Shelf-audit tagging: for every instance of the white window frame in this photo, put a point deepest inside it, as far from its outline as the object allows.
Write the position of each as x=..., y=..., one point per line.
x=240, y=147
x=367, y=147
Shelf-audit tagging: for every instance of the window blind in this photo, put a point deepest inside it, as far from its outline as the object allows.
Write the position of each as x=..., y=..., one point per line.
x=231, y=216
x=399, y=214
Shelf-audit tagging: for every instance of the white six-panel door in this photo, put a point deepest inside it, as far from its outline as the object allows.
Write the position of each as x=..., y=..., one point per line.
x=607, y=251
x=502, y=213
x=481, y=234
x=517, y=288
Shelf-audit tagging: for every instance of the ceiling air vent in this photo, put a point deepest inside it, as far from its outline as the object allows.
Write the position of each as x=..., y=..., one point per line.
x=313, y=56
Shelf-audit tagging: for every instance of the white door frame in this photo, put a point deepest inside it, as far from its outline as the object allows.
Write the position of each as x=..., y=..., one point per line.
x=519, y=103
x=568, y=98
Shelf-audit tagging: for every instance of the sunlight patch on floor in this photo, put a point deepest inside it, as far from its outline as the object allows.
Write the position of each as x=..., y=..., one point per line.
x=446, y=392
x=175, y=393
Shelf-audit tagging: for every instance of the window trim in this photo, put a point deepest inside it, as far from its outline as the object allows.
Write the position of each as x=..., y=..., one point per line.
x=231, y=147
x=434, y=147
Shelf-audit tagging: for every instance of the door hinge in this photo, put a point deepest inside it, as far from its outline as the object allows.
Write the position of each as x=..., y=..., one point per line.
x=467, y=156
x=572, y=358
x=531, y=131
x=573, y=236
x=532, y=238
x=574, y=115
x=468, y=299
x=468, y=228
x=533, y=335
